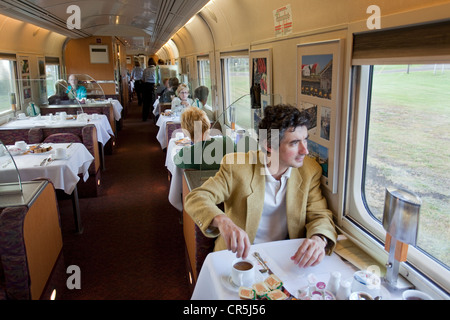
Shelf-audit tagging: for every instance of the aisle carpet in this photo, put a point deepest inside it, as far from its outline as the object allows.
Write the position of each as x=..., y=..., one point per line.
x=132, y=246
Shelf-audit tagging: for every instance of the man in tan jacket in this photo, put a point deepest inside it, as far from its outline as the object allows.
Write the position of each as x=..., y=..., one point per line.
x=268, y=195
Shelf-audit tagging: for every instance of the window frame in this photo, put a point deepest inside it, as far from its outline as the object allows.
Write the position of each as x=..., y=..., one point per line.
x=200, y=59
x=52, y=61
x=225, y=79
x=12, y=58
x=420, y=269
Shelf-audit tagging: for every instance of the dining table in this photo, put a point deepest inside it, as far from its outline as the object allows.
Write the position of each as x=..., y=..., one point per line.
x=214, y=280
x=63, y=173
x=162, y=124
x=117, y=108
x=104, y=129
x=176, y=180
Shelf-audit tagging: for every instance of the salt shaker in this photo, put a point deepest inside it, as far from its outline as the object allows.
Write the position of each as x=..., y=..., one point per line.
x=334, y=283
x=344, y=291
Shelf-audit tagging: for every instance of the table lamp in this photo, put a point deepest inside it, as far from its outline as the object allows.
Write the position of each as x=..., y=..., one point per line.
x=401, y=222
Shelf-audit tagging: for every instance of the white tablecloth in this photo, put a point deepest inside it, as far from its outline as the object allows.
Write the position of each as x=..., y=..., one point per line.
x=104, y=130
x=63, y=173
x=212, y=282
x=155, y=107
x=176, y=182
x=117, y=107
x=161, y=123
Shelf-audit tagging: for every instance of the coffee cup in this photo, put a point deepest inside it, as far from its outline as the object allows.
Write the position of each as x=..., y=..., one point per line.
x=364, y=281
x=60, y=153
x=22, y=145
x=21, y=116
x=415, y=295
x=243, y=272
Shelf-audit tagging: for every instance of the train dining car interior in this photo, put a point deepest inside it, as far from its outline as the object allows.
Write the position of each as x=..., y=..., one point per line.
x=95, y=98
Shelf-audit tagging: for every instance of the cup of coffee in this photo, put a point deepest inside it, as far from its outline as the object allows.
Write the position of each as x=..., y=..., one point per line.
x=22, y=145
x=243, y=272
x=415, y=295
x=60, y=153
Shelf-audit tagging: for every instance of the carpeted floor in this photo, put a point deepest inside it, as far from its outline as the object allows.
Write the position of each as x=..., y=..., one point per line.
x=132, y=246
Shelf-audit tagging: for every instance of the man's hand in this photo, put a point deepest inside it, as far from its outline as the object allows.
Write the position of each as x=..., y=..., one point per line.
x=236, y=239
x=310, y=253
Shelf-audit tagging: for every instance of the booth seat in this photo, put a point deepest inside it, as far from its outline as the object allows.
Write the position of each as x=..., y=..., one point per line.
x=31, y=258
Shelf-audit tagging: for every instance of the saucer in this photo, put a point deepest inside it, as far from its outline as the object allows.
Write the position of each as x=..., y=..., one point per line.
x=54, y=157
x=230, y=285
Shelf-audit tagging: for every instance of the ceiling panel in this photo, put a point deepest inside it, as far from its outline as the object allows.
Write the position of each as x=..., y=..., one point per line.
x=145, y=25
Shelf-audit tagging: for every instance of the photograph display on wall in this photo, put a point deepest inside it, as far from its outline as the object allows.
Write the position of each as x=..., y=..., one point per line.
x=41, y=83
x=25, y=76
x=318, y=86
x=261, y=83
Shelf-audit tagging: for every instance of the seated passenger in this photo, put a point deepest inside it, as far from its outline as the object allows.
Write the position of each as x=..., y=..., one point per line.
x=60, y=93
x=170, y=92
x=201, y=97
x=75, y=91
x=268, y=195
x=206, y=152
x=182, y=100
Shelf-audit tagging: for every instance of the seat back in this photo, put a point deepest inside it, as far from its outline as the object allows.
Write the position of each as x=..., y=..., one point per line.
x=10, y=136
x=13, y=253
x=163, y=106
x=171, y=127
x=62, y=138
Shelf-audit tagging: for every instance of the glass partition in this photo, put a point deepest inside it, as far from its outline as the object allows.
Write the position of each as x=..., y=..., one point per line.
x=10, y=181
x=67, y=97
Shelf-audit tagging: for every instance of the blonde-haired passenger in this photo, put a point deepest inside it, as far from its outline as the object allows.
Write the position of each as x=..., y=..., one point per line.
x=182, y=100
x=206, y=152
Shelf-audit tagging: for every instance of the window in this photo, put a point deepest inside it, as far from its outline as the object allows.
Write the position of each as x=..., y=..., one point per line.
x=204, y=75
x=52, y=74
x=236, y=88
x=399, y=124
x=408, y=146
x=8, y=92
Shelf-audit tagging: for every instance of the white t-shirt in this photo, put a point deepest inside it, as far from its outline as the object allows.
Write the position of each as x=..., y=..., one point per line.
x=273, y=223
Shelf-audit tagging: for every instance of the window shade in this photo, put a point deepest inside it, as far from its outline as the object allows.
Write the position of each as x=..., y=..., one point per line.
x=52, y=60
x=384, y=46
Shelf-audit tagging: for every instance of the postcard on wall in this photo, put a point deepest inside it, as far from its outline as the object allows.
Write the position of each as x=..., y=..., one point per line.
x=318, y=72
x=282, y=19
x=317, y=75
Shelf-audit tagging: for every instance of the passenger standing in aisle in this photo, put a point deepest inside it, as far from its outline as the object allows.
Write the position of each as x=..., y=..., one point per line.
x=136, y=75
x=148, y=96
